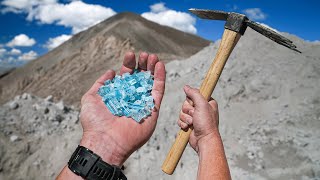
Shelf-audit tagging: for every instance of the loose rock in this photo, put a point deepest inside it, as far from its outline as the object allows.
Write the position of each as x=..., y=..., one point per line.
x=14, y=105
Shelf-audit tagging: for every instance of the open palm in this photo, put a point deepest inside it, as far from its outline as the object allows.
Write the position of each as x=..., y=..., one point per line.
x=120, y=136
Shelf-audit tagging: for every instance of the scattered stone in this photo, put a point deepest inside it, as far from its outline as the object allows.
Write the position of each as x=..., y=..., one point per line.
x=250, y=155
x=24, y=96
x=49, y=98
x=14, y=105
x=46, y=110
x=14, y=138
x=60, y=105
x=36, y=107
x=58, y=118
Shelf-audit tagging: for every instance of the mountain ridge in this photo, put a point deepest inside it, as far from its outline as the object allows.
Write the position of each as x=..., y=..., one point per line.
x=76, y=63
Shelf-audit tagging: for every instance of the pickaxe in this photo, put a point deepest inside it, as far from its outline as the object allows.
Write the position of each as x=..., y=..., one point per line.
x=235, y=26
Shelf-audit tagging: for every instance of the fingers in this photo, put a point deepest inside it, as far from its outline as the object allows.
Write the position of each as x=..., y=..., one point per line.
x=146, y=62
x=195, y=96
x=159, y=83
x=143, y=61
x=186, y=118
x=152, y=61
x=129, y=63
x=213, y=103
x=187, y=108
x=182, y=124
x=100, y=81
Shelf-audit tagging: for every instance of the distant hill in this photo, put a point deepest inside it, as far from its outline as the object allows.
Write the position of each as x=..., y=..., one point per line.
x=4, y=70
x=70, y=69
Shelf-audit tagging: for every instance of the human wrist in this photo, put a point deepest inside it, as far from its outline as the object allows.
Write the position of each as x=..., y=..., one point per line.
x=206, y=142
x=105, y=147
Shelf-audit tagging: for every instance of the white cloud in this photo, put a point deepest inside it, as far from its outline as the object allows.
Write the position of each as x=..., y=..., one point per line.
x=2, y=52
x=159, y=7
x=176, y=19
x=31, y=55
x=56, y=41
x=77, y=14
x=15, y=52
x=18, y=6
x=21, y=40
x=255, y=14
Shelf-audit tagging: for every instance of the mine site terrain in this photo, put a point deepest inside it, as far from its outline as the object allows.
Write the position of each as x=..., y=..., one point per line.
x=268, y=96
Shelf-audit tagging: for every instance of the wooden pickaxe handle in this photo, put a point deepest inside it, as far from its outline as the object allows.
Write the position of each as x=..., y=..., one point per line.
x=228, y=42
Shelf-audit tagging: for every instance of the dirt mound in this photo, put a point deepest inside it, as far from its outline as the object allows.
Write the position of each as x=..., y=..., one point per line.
x=269, y=103
x=69, y=70
x=31, y=130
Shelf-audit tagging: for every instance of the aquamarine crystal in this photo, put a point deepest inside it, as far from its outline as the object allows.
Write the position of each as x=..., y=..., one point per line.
x=129, y=95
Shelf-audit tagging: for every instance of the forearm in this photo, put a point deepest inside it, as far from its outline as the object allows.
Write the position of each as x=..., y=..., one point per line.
x=212, y=160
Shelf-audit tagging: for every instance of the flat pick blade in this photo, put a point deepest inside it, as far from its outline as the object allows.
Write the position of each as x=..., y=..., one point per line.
x=210, y=14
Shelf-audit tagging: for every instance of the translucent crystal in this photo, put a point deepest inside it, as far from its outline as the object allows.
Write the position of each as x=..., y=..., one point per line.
x=129, y=95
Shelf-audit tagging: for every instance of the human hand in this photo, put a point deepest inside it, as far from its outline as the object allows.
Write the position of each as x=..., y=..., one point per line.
x=202, y=115
x=115, y=138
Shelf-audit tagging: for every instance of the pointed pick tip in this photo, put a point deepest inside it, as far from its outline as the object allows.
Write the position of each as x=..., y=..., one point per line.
x=297, y=51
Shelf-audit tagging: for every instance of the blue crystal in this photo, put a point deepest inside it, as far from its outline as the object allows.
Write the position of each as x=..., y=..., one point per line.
x=129, y=95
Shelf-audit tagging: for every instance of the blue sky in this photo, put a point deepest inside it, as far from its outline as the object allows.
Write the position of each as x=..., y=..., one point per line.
x=30, y=28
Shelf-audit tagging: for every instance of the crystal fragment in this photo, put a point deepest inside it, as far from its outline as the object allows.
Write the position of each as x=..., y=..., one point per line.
x=129, y=95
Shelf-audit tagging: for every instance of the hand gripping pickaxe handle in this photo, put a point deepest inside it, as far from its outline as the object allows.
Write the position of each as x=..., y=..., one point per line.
x=228, y=42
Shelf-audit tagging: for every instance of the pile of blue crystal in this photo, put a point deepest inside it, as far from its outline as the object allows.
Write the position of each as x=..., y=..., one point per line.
x=129, y=95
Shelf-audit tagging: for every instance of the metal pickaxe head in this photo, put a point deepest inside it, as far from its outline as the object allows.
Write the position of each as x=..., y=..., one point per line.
x=239, y=22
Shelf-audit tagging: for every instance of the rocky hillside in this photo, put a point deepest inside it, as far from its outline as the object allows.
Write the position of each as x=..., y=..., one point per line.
x=269, y=102
x=69, y=70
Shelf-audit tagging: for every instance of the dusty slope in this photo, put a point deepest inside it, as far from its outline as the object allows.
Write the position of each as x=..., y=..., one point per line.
x=269, y=119
x=70, y=69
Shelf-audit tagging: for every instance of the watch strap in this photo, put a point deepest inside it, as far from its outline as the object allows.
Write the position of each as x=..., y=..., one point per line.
x=89, y=165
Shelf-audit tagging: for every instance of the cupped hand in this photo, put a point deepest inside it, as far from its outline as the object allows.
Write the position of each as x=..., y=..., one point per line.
x=115, y=138
x=200, y=114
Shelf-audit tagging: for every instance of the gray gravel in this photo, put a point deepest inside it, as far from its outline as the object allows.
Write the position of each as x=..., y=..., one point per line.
x=269, y=101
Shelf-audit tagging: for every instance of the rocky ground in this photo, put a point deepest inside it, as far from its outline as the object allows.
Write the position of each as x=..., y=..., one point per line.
x=33, y=130
x=269, y=101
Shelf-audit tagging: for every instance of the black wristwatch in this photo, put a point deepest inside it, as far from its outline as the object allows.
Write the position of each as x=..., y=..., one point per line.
x=89, y=165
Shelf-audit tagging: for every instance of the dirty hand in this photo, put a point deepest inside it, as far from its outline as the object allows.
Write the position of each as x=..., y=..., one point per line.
x=114, y=138
x=202, y=115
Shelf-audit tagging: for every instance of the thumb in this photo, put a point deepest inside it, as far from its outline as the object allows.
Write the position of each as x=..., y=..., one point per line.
x=194, y=95
x=99, y=82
